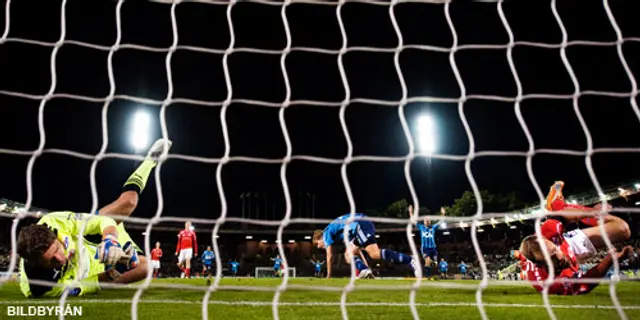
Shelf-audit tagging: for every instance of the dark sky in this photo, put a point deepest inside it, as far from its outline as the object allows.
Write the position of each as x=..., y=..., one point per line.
x=189, y=188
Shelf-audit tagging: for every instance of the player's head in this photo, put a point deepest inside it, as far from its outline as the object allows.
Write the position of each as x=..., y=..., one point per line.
x=209, y=248
x=158, y=244
x=317, y=239
x=187, y=225
x=39, y=245
x=530, y=248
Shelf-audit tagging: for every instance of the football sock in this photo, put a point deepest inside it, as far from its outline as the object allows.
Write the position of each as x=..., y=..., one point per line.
x=427, y=271
x=393, y=256
x=138, y=179
x=188, y=273
x=593, y=222
x=360, y=264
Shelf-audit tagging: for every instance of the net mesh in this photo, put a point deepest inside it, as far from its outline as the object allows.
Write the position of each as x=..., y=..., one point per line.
x=345, y=161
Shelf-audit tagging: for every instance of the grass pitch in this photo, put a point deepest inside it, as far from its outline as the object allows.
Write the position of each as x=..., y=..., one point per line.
x=306, y=298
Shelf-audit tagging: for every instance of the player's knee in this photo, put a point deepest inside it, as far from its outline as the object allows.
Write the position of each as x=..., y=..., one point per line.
x=143, y=263
x=128, y=201
x=624, y=230
x=373, y=251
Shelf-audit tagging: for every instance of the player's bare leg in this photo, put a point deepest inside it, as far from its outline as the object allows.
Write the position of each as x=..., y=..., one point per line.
x=615, y=228
x=428, y=264
x=187, y=263
x=128, y=201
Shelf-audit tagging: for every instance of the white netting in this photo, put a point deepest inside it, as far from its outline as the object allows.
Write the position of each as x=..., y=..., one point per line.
x=344, y=161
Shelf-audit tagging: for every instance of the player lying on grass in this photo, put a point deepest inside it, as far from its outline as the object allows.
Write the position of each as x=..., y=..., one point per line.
x=49, y=249
x=428, y=247
x=567, y=249
x=361, y=235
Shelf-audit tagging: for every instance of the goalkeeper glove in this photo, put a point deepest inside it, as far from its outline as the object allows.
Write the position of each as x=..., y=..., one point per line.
x=127, y=262
x=109, y=251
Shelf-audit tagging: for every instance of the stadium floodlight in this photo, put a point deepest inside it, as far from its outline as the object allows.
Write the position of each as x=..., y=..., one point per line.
x=140, y=134
x=426, y=134
x=637, y=186
x=249, y=237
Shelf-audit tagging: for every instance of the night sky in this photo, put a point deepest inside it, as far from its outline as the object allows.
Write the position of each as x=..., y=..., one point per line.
x=61, y=182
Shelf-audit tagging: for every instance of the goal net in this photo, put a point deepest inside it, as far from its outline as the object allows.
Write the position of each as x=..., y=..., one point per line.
x=363, y=102
x=263, y=272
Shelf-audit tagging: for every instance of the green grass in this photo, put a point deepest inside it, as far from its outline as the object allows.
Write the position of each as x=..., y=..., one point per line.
x=233, y=301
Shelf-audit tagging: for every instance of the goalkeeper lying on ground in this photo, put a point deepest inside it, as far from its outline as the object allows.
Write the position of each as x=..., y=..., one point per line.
x=49, y=250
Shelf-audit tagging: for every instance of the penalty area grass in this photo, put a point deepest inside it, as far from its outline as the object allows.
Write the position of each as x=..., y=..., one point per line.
x=308, y=298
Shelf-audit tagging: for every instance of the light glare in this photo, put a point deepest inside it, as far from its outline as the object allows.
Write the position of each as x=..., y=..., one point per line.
x=140, y=133
x=426, y=134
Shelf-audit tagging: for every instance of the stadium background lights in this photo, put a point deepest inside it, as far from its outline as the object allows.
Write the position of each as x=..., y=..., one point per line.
x=446, y=233
x=249, y=237
x=426, y=134
x=277, y=241
x=192, y=227
x=480, y=230
x=217, y=236
x=637, y=186
x=513, y=227
x=263, y=241
x=377, y=236
x=140, y=133
x=292, y=241
x=307, y=237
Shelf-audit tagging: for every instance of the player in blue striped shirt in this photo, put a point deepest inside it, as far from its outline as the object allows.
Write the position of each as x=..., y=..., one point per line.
x=428, y=239
x=463, y=269
x=208, y=257
x=277, y=264
x=361, y=236
x=317, y=266
x=234, y=267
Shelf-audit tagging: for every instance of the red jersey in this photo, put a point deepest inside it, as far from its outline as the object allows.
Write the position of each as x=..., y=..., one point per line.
x=156, y=254
x=187, y=240
x=553, y=230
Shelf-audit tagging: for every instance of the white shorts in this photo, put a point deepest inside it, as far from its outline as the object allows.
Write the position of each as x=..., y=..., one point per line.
x=580, y=244
x=155, y=264
x=185, y=254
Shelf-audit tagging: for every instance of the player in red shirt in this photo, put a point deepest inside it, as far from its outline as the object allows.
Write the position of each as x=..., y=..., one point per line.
x=156, y=254
x=186, y=249
x=567, y=249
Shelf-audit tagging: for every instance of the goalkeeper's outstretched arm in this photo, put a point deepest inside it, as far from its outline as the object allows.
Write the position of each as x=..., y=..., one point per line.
x=601, y=269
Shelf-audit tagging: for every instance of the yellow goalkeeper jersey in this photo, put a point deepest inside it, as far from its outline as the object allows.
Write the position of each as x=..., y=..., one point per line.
x=80, y=265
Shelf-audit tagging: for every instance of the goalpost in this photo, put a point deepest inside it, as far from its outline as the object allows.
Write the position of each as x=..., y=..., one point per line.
x=266, y=272
x=452, y=52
